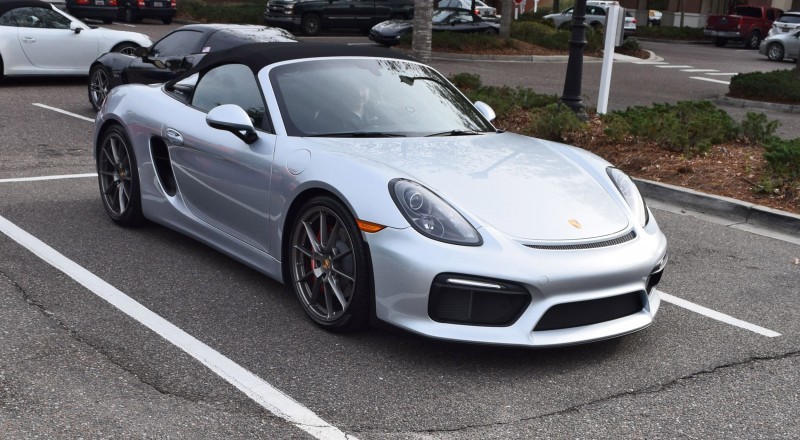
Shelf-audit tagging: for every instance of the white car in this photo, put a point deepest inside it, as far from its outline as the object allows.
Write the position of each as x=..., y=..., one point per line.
x=36, y=38
x=481, y=8
x=595, y=17
x=787, y=22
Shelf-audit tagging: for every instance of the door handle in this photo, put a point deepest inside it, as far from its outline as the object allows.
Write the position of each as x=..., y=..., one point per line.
x=174, y=136
x=29, y=39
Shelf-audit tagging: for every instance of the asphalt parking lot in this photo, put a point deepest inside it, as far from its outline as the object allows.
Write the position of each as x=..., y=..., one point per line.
x=721, y=360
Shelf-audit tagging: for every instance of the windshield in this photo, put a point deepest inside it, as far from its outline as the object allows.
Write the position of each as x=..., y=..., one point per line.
x=364, y=97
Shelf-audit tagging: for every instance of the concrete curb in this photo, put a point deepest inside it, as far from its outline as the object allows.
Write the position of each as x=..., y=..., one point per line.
x=744, y=103
x=730, y=209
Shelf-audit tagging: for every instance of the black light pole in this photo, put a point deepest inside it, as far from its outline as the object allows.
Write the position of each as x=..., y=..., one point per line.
x=572, y=84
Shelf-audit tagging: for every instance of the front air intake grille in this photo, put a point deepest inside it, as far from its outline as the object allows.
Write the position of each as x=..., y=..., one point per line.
x=580, y=313
x=459, y=299
x=599, y=244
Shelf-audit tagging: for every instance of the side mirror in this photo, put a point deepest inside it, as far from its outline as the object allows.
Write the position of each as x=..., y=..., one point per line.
x=75, y=27
x=485, y=110
x=232, y=118
x=141, y=52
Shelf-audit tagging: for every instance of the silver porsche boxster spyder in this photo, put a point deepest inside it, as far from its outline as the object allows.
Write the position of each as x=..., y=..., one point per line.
x=370, y=185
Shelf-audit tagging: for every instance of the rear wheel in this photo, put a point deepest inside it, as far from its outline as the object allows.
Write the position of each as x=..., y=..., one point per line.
x=98, y=86
x=130, y=17
x=311, y=24
x=753, y=41
x=118, y=177
x=720, y=42
x=775, y=52
x=329, y=269
x=167, y=20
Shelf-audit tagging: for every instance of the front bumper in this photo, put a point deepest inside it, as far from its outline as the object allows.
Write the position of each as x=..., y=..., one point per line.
x=147, y=12
x=283, y=22
x=405, y=264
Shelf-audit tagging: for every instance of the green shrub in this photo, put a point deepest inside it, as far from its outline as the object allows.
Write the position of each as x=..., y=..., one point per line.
x=458, y=42
x=783, y=164
x=688, y=127
x=775, y=86
x=555, y=122
x=615, y=127
x=246, y=12
x=466, y=81
x=757, y=129
x=630, y=45
x=543, y=34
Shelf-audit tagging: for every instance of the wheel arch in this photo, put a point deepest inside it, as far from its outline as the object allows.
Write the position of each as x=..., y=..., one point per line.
x=102, y=130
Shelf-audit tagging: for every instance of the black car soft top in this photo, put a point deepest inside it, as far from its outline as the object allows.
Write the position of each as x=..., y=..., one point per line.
x=258, y=55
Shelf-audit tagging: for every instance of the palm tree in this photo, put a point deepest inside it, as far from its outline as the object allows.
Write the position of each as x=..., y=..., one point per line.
x=506, y=18
x=422, y=30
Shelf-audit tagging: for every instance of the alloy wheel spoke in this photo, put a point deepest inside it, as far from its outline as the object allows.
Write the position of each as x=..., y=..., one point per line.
x=305, y=252
x=344, y=275
x=312, y=237
x=328, y=301
x=313, y=296
x=332, y=238
x=334, y=284
x=323, y=230
x=341, y=255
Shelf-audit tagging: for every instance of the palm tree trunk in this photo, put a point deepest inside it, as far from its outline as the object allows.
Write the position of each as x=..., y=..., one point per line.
x=422, y=25
x=506, y=18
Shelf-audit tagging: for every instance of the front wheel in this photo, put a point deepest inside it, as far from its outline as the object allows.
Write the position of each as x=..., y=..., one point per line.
x=125, y=48
x=753, y=41
x=720, y=42
x=775, y=52
x=329, y=270
x=311, y=24
x=118, y=177
x=99, y=85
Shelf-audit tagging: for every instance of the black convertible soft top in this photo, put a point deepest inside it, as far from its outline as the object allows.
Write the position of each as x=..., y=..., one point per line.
x=258, y=55
x=7, y=5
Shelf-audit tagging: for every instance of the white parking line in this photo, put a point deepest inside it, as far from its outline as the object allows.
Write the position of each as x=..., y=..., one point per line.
x=723, y=74
x=699, y=70
x=269, y=397
x=652, y=63
x=674, y=67
x=711, y=80
x=55, y=109
x=34, y=179
x=717, y=315
x=125, y=24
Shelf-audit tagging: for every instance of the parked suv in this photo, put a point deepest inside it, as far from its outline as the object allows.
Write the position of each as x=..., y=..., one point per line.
x=788, y=22
x=311, y=16
x=135, y=10
x=105, y=10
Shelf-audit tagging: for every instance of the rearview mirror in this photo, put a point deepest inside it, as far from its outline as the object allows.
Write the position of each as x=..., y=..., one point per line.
x=141, y=52
x=75, y=27
x=232, y=118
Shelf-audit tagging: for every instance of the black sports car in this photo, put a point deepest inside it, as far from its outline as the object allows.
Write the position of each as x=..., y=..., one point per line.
x=389, y=32
x=175, y=53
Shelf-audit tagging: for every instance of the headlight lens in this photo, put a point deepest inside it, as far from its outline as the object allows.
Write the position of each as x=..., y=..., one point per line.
x=431, y=216
x=631, y=194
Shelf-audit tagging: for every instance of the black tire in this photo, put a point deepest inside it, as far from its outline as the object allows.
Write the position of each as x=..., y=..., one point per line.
x=753, y=41
x=99, y=85
x=491, y=31
x=118, y=177
x=125, y=48
x=775, y=52
x=2, y=70
x=330, y=272
x=311, y=24
x=167, y=20
x=720, y=42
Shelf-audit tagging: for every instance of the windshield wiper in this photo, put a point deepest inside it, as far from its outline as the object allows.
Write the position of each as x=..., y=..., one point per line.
x=359, y=134
x=455, y=133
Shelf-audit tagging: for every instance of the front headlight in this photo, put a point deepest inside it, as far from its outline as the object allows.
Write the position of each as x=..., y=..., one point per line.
x=631, y=194
x=430, y=215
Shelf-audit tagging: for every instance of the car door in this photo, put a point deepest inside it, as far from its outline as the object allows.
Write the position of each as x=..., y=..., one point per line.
x=595, y=15
x=340, y=13
x=49, y=43
x=224, y=181
x=172, y=51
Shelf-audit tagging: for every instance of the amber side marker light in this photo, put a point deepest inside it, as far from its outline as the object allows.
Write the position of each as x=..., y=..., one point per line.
x=369, y=227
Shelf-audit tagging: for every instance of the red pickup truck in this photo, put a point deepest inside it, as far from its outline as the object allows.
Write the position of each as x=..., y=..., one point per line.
x=745, y=23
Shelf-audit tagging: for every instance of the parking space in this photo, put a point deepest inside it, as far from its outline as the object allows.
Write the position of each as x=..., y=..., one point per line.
x=373, y=384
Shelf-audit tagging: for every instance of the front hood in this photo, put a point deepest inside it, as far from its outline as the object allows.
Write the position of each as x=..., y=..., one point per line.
x=527, y=188
x=393, y=27
x=111, y=34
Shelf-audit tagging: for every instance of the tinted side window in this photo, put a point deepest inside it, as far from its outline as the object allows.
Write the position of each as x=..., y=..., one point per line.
x=9, y=18
x=178, y=44
x=231, y=84
x=791, y=19
x=40, y=18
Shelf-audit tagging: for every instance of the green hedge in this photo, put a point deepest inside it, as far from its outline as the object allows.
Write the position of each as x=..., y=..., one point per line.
x=228, y=12
x=776, y=86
